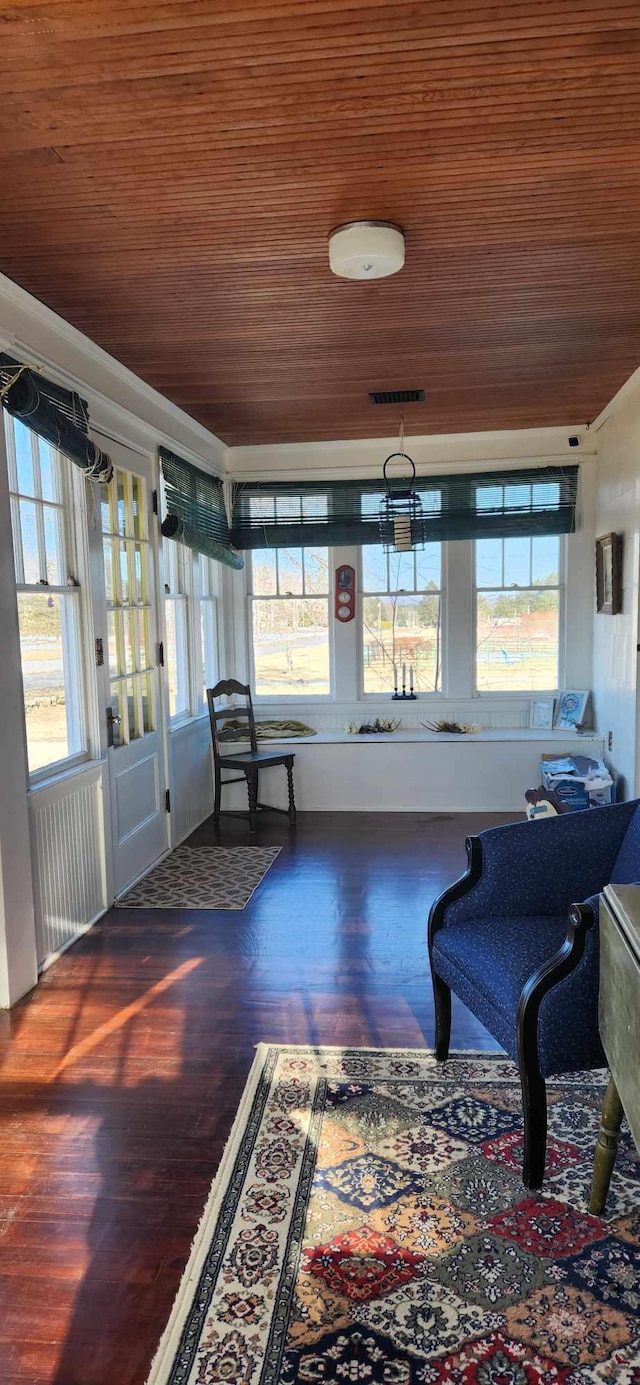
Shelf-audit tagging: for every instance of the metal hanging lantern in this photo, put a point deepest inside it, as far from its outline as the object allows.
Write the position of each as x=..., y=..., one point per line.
x=400, y=516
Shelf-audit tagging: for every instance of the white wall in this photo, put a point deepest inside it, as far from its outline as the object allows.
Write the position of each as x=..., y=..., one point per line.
x=615, y=658
x=191, y=776
x=54, y=837
x=436, y=453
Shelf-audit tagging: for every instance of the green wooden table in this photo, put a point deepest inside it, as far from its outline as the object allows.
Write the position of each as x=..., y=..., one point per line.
x=619, y=1020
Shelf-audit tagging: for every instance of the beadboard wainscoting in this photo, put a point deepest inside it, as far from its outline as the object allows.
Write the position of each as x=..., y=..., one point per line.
x=67, y=822
x=492, y=714
x=190, y=777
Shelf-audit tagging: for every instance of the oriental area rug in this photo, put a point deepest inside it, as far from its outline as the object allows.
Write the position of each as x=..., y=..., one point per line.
x=368, y=1226
x=203, y=877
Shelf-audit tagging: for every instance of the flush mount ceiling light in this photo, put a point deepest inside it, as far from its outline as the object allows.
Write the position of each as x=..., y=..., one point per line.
x=366, y=250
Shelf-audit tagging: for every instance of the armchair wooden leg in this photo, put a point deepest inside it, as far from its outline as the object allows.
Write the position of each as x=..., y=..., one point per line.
x=442, y=1003
x=217, y=795
x=252, y=791
x=534, y=1096
x=292, y=799
x=535, y=1112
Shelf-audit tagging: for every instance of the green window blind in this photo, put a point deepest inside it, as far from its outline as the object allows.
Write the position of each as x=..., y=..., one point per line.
x=58, y=415
x=196, y=512
x=496, y=504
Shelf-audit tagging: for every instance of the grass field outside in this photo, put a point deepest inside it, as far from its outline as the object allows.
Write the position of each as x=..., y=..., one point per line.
x=45, y=692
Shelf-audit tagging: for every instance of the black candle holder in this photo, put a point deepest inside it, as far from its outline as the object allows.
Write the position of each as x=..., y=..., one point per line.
x=404, y=696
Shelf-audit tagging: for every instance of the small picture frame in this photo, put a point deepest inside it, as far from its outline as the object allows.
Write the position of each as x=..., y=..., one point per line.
x=609, y=574
x=571, y=710
x=541, y=713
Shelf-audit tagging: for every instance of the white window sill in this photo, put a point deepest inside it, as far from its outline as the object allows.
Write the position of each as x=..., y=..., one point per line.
x=183, y=723
x=58, y=775
x=485, y=694
x=588, y=738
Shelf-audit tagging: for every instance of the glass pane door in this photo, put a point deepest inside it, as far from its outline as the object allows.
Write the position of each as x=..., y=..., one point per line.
x=127, y=558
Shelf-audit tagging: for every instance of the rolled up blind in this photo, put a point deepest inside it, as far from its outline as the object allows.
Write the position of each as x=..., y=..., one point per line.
x=496, y=504
x=195, y=510
x=58, y=415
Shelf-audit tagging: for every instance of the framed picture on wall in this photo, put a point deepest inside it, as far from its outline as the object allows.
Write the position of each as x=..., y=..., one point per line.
x=541, y=714
x=609, y=574
x=571, y=710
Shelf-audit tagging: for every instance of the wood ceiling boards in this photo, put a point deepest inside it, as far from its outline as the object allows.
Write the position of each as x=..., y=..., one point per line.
x=169, y=173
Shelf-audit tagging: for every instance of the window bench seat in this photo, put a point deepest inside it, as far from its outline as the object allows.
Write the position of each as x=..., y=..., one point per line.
x=422, y=771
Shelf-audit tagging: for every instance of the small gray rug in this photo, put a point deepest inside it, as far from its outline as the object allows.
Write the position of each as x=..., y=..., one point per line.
x=203, y=877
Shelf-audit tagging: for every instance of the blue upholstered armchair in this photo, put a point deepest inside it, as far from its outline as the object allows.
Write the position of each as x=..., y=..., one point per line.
x=511, y=941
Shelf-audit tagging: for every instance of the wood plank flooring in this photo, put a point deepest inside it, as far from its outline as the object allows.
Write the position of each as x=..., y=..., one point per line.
x=122, y=1072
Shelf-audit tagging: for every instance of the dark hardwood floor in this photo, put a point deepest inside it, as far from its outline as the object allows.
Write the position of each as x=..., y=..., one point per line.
x=122, y=1072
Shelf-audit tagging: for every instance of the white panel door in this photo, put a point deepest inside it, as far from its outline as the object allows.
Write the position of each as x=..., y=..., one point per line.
x=135, y=753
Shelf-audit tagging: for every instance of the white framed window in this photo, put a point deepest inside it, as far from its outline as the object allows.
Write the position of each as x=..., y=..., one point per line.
x=402, y=596
x=519, y=598
x=192, y=595
x=178, y=591
x=207, y=626
x=289, y=509
x=289, y=622
x=48, y=594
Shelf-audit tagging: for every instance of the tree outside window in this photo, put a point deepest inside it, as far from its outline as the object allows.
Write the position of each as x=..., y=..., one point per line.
x=401, y=617
x=290, y=622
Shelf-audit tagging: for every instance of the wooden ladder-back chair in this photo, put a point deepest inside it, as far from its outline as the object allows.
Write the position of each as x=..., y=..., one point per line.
x=251, y=761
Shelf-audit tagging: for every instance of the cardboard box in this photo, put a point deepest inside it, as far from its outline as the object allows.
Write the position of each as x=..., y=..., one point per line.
x=581, y=781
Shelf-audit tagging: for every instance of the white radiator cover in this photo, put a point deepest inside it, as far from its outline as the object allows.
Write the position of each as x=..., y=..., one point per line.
x=68, y=844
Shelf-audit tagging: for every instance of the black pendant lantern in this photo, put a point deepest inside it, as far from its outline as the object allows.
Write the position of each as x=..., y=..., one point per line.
x=400, y=517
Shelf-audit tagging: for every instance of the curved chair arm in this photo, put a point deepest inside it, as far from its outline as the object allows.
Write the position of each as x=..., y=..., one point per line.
x=582, y=918
x=460, y=887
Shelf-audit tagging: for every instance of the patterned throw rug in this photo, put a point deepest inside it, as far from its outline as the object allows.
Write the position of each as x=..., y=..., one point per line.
x=369, y=1227
x=203, y=877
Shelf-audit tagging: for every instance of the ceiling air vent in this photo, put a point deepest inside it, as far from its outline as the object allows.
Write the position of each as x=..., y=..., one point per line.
x=396, y=396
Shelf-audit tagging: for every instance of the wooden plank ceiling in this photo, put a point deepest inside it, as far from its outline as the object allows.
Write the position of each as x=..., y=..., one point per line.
x=170, y=170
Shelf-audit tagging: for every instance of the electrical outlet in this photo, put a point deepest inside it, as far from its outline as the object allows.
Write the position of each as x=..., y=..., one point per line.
x=610, y=740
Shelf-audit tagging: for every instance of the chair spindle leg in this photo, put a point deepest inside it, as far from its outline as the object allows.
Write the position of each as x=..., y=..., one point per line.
x=217, y=800
x=252, y=791
x=292, y=800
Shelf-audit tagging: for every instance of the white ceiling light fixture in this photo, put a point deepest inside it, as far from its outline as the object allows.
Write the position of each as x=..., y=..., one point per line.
x=366, y=249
